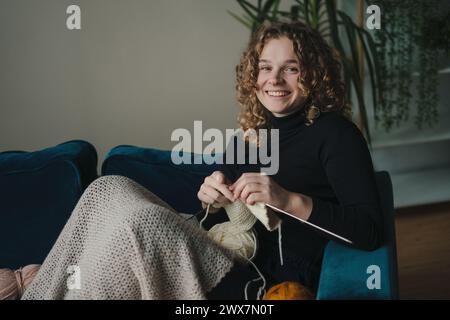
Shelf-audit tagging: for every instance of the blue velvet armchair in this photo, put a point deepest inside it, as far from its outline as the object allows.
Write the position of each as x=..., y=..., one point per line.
x=40, y=189
x=345, y=271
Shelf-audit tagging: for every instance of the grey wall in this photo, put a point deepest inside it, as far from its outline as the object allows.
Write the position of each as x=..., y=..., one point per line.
x=136, y=71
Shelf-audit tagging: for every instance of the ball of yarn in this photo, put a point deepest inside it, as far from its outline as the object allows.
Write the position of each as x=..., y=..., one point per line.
x=14, y=283
x=8, y=285
x=28, y=273
x=288, y=290
x=243, y=243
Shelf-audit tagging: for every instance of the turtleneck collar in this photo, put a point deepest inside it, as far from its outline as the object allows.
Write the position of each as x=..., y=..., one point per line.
x=289, y=122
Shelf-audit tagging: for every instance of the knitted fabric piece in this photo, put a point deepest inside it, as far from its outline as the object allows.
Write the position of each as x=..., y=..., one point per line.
x=129, y=244
x=237, y=234
x=240, y=215
x=269, y=219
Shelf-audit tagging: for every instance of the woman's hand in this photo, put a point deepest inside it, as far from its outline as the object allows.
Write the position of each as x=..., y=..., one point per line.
x=215, y=190
x=255, y=187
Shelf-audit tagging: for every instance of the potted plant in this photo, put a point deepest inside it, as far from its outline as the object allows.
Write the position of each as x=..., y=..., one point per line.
x=384, y=52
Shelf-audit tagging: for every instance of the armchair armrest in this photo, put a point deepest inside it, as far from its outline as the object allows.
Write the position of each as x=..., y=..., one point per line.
x=348, y=273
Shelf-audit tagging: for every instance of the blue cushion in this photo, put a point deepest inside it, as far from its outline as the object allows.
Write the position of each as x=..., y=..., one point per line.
x=39, y=191
x=177, y=185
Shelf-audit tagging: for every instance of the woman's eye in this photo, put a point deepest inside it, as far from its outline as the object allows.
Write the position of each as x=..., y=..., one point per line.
x=291, y=69
x=264, y=68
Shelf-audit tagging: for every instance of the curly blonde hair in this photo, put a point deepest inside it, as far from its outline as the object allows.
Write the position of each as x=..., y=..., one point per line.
x=320, y=77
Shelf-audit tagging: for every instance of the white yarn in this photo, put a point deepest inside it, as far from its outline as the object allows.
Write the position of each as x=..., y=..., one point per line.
x=238, y=233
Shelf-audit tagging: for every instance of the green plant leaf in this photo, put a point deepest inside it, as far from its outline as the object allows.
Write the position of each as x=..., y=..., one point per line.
x=267, y=7
x=325, y=28
x=334, y=31
x=351, y=39
x=275, y=9
x=323, y=12
x=314, y=16
x=354, y=66
x=377, y=66
x=300, y=6
x=371, y=68
x=306, y=8
x=249, y=5
x=245, y=5
x=295, y=14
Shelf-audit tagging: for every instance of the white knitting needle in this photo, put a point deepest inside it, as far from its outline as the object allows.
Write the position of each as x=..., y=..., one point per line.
x=308, y=223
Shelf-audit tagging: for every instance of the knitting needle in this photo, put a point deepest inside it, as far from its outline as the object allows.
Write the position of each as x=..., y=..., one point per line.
x=308, y=223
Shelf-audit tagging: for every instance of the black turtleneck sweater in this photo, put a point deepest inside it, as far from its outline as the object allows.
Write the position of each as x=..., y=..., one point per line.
x=328, y=161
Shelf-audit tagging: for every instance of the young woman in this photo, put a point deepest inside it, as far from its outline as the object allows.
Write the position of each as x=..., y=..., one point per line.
x=123, y=242
x=289, y=79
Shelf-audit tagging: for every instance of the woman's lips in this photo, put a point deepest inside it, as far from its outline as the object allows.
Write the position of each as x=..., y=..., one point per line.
x=277, y=94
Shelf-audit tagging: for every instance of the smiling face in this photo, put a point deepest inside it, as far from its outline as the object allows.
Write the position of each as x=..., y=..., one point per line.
x=278, y=73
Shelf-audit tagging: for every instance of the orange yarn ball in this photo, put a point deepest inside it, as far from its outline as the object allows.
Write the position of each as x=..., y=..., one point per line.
x=288, y=290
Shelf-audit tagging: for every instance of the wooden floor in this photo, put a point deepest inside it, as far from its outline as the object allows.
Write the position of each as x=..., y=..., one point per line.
x=423, y=250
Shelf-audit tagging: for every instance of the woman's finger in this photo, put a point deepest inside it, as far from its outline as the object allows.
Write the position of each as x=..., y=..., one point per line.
x=205, y=198
x=223, y=188
x=250, y=188
x=239, y=185
x=210, y=191
x=256, y=197
x=217, y=196
x=218, y=176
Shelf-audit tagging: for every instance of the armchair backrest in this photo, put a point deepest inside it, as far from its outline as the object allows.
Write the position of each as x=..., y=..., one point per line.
x=152, y=168
x=38, y=191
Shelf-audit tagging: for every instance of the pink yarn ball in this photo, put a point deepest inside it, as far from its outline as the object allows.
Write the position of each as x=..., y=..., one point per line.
x=14, y=283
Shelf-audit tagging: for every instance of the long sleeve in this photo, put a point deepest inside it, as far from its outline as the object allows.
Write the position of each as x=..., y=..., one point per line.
x=348, y=166
x=230, y=169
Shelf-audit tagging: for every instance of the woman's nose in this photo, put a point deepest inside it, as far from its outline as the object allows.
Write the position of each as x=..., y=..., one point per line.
x=276, y=79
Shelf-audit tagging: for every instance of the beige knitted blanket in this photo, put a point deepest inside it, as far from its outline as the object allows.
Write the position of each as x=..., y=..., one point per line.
x=123, y=242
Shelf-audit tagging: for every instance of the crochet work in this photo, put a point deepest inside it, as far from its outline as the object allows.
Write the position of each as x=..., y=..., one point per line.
x=128, y=244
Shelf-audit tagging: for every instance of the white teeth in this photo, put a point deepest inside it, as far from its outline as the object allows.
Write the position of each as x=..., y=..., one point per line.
x=277, y=93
